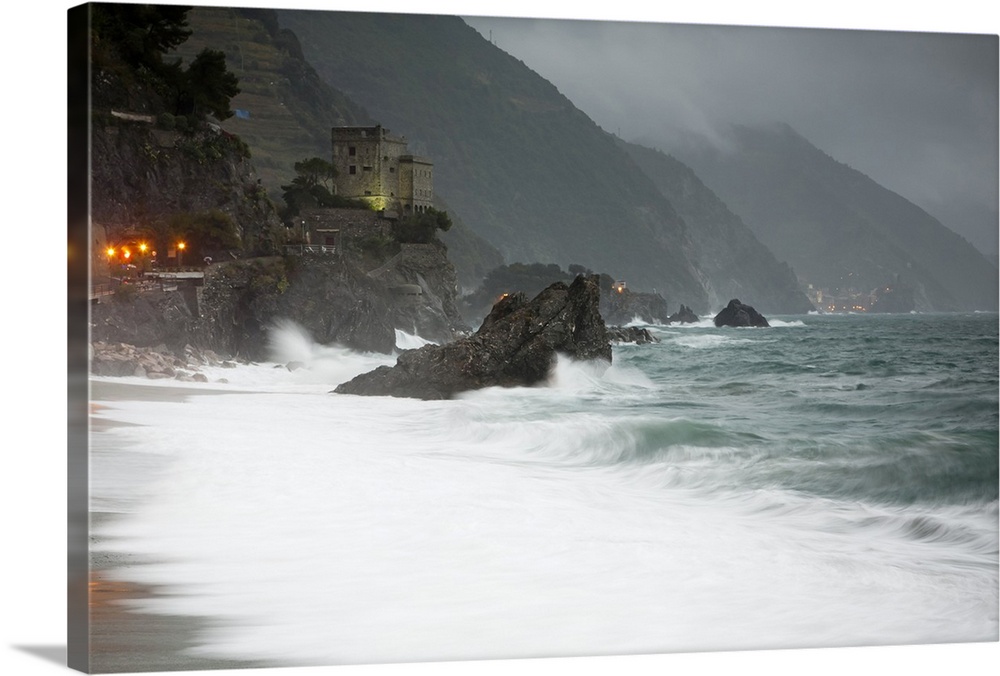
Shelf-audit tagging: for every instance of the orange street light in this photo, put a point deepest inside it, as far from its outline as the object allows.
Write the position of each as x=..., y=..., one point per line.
x=143, y=247
x=110, y=252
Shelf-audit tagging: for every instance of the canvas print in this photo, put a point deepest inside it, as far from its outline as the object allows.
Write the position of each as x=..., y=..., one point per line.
x=416, y=338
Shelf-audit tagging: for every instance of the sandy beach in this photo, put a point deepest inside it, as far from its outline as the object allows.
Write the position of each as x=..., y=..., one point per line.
x=122, y=639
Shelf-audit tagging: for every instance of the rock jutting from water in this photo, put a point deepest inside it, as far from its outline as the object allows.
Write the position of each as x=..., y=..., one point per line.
x=516, y=345
x=738, y=314
x=631, y=334
x=684, y=315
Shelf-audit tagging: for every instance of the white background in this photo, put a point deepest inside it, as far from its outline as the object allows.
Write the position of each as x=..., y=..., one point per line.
x=34, y=328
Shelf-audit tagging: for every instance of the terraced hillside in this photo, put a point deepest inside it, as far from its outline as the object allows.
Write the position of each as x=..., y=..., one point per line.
x=290, y=109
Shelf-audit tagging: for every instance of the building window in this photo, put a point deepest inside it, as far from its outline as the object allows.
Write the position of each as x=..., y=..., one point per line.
x=352, y=151
x=352, y=169
x=367, y=168
x=368, y=192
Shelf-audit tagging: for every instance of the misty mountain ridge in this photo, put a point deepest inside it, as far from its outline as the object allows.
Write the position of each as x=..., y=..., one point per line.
x=837, y=227
x=535, y=177
x=733, y=260
x=524, y=168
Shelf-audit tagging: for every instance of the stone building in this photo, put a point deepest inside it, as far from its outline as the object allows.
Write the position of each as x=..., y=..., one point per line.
x=374, y=166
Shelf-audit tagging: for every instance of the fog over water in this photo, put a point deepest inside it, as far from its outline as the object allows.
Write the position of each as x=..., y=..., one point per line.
x=915, y=111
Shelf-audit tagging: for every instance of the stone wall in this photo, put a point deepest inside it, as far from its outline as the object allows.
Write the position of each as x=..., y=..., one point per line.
x=351, y=223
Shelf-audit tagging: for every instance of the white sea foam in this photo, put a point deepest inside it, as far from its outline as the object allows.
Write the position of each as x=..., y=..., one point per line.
x=409, y=341
x=705, y=322
x=317, y=529
x=704, y=341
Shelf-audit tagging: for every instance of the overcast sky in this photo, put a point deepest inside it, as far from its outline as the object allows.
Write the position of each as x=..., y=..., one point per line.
x=916, y=111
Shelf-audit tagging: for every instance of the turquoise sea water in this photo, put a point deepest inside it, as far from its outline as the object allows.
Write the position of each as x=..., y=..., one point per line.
x=896, y=409
x=829, y=481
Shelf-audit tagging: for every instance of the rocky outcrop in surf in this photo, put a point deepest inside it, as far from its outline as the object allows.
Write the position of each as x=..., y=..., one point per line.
x=516, y=345
x=631, y=334
x=738, y=314
x=684, y=315
x=621, y=305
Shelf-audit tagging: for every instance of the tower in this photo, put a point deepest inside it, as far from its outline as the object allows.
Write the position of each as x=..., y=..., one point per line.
x=373, y=165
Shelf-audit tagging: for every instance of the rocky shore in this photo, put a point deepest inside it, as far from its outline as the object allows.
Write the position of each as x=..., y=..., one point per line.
x=155, y=363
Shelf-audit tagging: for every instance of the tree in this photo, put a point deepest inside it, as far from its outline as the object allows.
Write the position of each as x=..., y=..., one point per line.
x=310, y=187
x=421, y=228
x=316, y=171
x=208, y=86
x=141, y=33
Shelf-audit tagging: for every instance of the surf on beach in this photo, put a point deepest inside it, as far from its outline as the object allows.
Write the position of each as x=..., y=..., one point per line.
x=830, y=481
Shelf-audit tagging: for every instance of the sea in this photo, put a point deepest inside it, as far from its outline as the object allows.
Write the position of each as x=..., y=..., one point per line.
x=829, y=481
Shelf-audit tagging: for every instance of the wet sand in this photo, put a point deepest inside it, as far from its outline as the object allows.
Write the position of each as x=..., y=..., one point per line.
x=105, y=390
x=121, y=638
x=124, y=640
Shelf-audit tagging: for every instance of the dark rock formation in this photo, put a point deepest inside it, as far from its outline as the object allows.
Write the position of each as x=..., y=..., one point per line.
x=433, y=312
x=738, y=314
x=142, y=175
x=143, y=318
x=683, y=316
x=329, y=297
x=631, y=334
x=516, y=345
x=622, y=307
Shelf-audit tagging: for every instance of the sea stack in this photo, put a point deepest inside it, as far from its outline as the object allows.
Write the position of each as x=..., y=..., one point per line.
x=684, y=315
x=515, y=346
x=738, y=314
